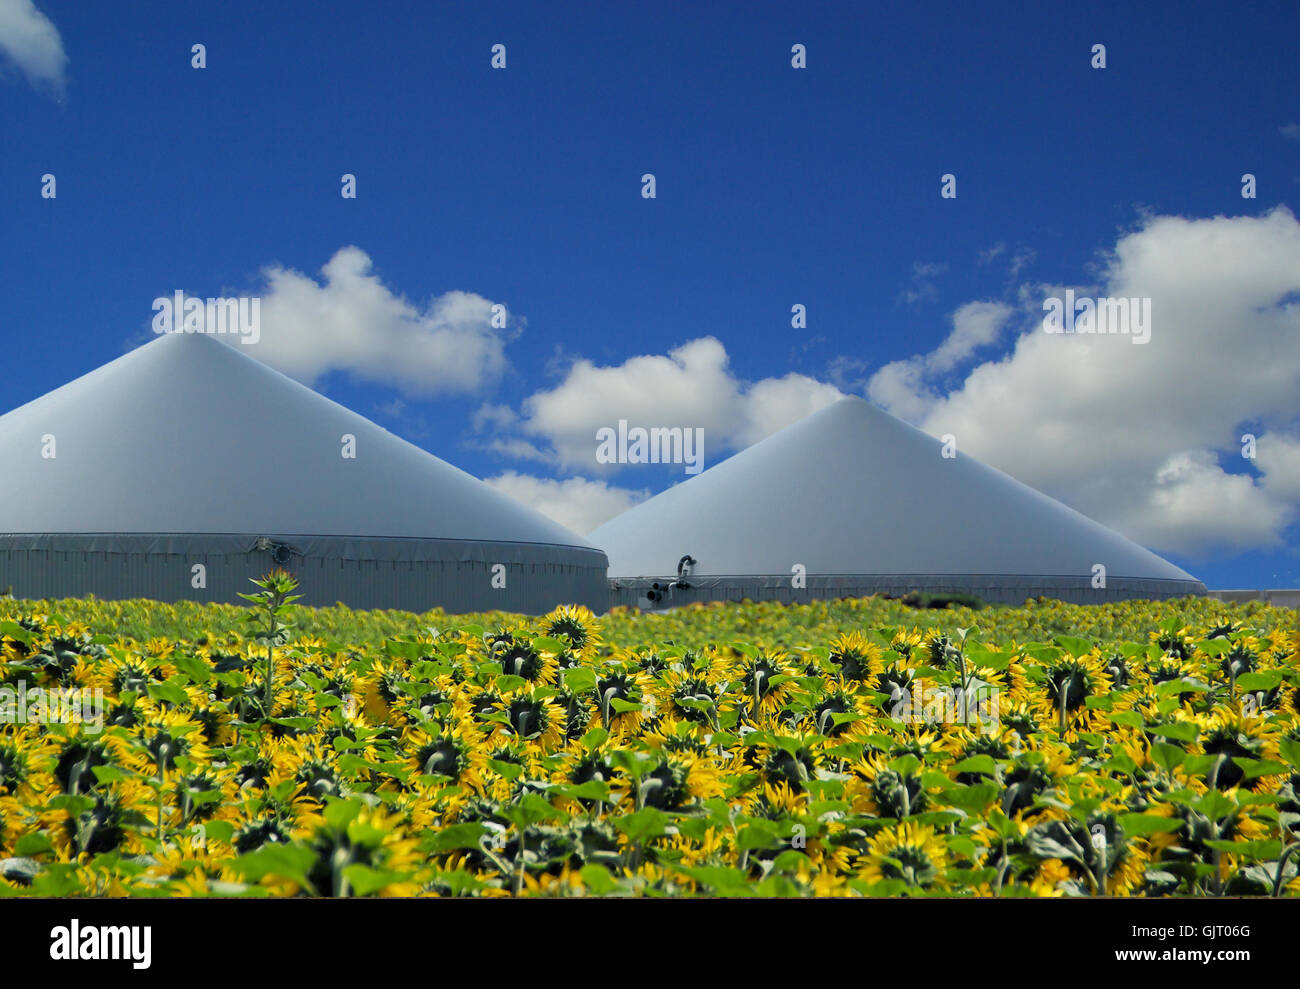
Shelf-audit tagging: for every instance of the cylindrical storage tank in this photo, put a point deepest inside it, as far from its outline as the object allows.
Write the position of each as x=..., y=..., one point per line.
x=186, y=467
x=851, y=501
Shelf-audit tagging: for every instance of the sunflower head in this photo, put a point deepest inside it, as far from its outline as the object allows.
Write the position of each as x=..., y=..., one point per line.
x=908, y=852
x=856, y=657
x=575, y=625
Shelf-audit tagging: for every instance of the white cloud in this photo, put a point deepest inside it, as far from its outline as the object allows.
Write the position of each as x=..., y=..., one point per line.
x=1278, y=458
x=899, y=387
x=30, y=41
x=496, y=416
x=1194, y=505
x=1133, y=435
x=1290, y=131
x=974, y=325
x=692, y=386
x=923, y=279
x=353, y=322
x=902, y=387
x=577, y=503
x=518, y=449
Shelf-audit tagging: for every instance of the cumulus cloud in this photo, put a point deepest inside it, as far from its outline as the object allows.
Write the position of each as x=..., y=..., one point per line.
x=577, y=503
x=1146, y=437
x=923, y=281
x=974, y=325
x=30, y=41
x=353, y=322
x=904, y=388
x=692, y=386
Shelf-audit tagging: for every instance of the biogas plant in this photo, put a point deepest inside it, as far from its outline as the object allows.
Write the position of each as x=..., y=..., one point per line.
x=186, y=467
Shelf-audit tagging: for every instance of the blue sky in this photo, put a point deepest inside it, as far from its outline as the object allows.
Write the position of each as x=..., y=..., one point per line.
x=775, y=186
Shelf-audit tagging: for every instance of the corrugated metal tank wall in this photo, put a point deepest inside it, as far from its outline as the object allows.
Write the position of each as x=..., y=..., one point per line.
x=995, y=589
x=537, y=579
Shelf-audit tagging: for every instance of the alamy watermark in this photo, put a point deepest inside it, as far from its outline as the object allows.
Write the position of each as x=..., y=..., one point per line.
x=1131, y=317
x=656, y=445
x=179, y=313
x=52, y=705
x=977, y=704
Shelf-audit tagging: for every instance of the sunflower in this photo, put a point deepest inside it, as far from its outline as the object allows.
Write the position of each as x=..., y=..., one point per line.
x=535, y=717
x=677, y=780
x=628, y=686
x=13, y=825
x=1104, y=861
x=575, y=625
x=23, y=753
x=157, y=742
x=520, y=657
x=904, y=642
x=1068, y=684
x=114, y=818
x=1049, y=877
x=455, y=752
x=880, y=789
x=1232, y=736
x=856, y=657
x=693, y=696
x=826, y=714
x=756, y=677
x=355, y=835
x=908, y=852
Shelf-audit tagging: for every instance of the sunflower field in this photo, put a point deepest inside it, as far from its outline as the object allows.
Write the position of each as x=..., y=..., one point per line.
x=847, y=748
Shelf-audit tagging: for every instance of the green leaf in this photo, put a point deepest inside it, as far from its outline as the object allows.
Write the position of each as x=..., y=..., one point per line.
x=365, y=880
x=1290, y=751
x=756, y=834
x=1266, y=680
x=1215, y=805
x=193, y=667
x=109, y=774
x=298, y=724
x=531, y=809
x=1140, y=825
x=646, y=824
x=1181, y=731
x=508, y=682
x=169, y=691
x=590, y=790
x=721, y=880
x=1167, y=756
x=291, y=862
x=977, y=764
x=972, y=799
x=1129, y=719
x=1256, y=768
x=905, y=765
x=457, y=836
x=1261, y=849
x=544, y=643
x=579, y=680
x=1074, y=645
x=32, y=843
x=598, y=880
x=507, y=769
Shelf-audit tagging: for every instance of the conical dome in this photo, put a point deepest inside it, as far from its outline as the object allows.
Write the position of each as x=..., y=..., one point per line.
x=189, y=449
x=851, y=501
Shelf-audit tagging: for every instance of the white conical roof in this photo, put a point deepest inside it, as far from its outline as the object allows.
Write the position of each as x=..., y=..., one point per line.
x=852, y=490
x=188, y=434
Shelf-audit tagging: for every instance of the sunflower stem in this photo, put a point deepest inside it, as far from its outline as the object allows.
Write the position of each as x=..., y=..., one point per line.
x=1281, y=867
